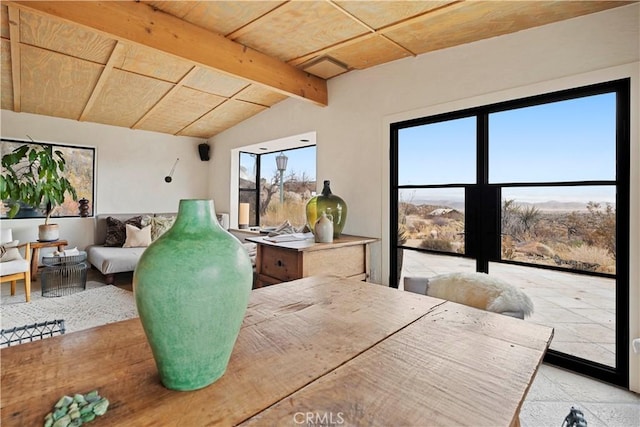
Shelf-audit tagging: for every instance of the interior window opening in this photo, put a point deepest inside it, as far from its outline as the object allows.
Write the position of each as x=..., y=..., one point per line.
x=276, y=180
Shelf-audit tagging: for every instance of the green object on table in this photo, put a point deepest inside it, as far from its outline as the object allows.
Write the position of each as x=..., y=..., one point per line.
x=192, y=289
x=330, y=204
x=77, y=410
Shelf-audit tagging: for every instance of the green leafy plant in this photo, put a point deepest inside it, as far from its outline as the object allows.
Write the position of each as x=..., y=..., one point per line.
x=32, y=175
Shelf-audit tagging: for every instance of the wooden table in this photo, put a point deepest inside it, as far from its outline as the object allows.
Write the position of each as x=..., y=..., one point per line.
x=35, y=253
x=346, y=256
x=321, y=348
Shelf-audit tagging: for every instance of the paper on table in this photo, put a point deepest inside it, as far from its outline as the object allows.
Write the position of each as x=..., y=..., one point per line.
x=289, y=237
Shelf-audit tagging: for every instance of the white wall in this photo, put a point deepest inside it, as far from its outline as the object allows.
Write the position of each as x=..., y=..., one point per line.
x=130, y=170
x=353, y=131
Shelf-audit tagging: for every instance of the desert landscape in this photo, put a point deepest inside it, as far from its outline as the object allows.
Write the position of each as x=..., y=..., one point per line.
x=568, y=235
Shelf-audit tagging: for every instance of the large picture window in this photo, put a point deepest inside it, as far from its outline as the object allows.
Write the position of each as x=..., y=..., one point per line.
x=79, y=170
x=534, y=192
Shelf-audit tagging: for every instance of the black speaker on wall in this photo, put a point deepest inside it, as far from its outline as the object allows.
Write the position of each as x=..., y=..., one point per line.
x=203, y=150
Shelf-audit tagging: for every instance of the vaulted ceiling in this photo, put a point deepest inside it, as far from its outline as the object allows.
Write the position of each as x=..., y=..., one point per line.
x=196, y=68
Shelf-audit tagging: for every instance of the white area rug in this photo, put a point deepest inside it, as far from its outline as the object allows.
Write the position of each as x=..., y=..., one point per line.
x=97, y=305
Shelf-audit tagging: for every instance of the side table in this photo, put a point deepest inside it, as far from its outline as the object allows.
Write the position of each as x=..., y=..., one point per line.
x=35, y=253
x=64, y=275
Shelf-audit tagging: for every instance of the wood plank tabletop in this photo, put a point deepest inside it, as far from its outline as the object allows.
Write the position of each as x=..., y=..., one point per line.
x=319, y=347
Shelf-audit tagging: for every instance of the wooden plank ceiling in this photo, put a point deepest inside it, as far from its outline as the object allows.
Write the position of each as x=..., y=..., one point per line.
x=196, y=68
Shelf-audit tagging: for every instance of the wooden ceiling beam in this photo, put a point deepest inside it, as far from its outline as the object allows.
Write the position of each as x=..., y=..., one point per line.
x=139, y=23
x=106, y=71
x=14, y=46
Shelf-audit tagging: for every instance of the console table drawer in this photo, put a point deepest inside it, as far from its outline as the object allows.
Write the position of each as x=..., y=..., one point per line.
x=280, y=264
x=346, y=256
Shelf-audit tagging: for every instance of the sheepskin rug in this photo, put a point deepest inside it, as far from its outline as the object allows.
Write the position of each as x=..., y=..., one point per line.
x=481, y=291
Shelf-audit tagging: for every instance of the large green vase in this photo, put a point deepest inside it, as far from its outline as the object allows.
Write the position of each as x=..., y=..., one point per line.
x=192, y=289
x=330, y=204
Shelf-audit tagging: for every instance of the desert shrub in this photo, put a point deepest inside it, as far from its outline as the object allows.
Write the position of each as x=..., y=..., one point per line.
x=439, y=221
x=508, y=247
x=418, y=226
x=587, y=254
x=595, y=228
x=436, y=245
x=403, y=234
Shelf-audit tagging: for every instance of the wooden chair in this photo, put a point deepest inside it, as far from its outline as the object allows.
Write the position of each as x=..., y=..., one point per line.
x=18, y=269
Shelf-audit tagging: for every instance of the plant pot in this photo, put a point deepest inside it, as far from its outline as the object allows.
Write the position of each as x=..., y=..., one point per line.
x=192, y=287
x=48, y=232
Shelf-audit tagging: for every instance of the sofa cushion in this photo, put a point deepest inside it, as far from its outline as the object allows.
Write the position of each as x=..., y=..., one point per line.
x=6, y=235
x=137, y=237
x=16, y=266
x=9, y=252
x=116, y=230
x=111, y=260
x=160, y=224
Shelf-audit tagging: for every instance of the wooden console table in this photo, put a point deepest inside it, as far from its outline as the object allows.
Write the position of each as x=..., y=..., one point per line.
x=347, y=256
x=315, y=351
x=35, y=253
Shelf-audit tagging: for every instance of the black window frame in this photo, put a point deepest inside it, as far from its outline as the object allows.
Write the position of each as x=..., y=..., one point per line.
x=255, y=221
x=622, y=87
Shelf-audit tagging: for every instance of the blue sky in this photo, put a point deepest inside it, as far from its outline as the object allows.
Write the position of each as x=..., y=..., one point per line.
x=298, y=161
x=571, y=140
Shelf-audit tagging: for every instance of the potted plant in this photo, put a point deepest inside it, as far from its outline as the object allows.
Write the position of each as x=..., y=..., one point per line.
x=32, y=176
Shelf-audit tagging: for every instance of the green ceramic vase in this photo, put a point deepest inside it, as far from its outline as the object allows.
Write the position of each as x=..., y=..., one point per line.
x=192, y=289
x=330, y=204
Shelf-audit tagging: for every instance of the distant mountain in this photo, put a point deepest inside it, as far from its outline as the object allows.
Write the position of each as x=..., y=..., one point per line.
x=551, y=205
x=554, y=205
x=455, y=204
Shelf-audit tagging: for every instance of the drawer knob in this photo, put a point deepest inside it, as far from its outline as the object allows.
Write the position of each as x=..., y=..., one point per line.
x=279, y=263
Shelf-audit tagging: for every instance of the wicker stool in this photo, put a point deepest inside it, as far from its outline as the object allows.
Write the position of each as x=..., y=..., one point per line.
x=64, y=275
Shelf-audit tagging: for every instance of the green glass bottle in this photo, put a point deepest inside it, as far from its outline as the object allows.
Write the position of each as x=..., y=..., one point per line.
x=330, y=204
x=192, y=287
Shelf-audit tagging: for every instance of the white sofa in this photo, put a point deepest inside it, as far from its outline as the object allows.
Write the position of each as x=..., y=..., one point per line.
x=111, y=260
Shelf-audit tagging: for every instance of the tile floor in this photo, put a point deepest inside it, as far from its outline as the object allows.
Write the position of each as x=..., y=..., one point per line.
x=554, y=391
x=580, y=308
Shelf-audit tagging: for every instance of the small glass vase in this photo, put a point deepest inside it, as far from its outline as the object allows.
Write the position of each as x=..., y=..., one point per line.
x=192, y=288
x=330, y=204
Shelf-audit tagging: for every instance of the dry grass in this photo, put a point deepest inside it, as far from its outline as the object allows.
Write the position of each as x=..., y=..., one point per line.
x=591, y=255
x=291, y=210
x=546, y=244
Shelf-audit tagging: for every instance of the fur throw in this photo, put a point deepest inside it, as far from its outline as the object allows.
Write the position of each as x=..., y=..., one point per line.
x=481, y=291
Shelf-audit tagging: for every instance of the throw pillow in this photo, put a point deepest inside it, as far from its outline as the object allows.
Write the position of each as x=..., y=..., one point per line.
x=9, y=251
x=116, y=230
x=160, y=224
x=136, y=237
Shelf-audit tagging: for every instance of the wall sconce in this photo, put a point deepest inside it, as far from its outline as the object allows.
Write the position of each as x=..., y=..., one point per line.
x=169, y=177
